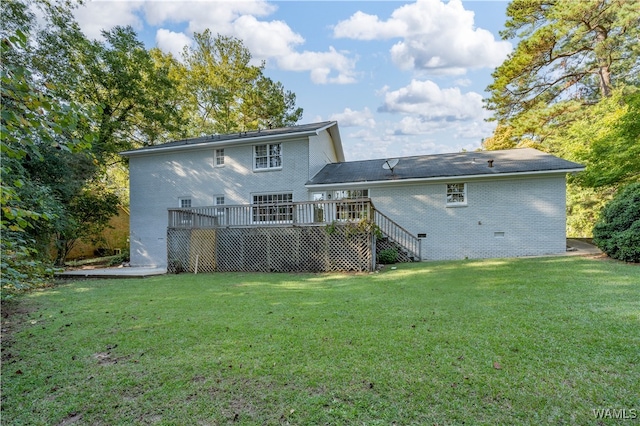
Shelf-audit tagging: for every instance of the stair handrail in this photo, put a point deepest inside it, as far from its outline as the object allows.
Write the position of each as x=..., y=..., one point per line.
x=396, y=233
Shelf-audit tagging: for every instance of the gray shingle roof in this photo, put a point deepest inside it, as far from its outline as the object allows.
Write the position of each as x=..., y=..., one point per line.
x=523, y=160
x=234, y=137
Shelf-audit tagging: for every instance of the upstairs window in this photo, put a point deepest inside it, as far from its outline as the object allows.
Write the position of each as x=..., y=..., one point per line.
x=219, y=158
x=456, y=194
x=268, y=156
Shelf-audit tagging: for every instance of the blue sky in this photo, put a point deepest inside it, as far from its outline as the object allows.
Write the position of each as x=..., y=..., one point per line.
x=401, y=78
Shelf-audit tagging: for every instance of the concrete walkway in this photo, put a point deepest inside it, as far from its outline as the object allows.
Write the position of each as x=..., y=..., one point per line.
x=581, y=248
x=120, y=272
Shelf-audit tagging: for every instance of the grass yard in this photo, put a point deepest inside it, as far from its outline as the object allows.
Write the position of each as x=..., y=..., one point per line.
x=491, y=342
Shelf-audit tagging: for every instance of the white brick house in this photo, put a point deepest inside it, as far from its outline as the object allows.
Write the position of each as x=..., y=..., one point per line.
x=466, y=205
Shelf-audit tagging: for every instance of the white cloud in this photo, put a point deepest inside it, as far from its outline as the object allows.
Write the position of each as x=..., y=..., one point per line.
x=436, y=37
x=321, y=66
x=351, y=118
x=96, y=16
x=200, y=15
x=272, y=41
x=475, y=130
x=428, y=101
x=367, y=144
x=172, y=42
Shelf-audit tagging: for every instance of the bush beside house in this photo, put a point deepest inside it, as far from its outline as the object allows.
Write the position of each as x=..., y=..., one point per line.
x=617, y=232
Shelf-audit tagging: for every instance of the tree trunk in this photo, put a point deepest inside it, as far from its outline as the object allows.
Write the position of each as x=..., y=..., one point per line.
x=604, y=70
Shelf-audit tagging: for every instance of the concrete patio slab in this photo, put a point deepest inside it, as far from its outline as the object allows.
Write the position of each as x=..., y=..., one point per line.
x=577, y=247
x=122, y=272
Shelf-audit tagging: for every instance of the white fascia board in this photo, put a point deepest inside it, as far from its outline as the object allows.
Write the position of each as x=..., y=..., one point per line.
x=349, y=185
x=215, y=144
x=334, y=132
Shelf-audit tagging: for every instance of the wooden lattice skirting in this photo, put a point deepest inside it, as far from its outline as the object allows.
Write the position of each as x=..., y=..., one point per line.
x=270, y=249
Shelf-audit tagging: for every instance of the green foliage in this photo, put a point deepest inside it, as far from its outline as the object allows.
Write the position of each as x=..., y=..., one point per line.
x=607, y=141
x=34, y=122
x=388, y=256
x=120, y=258
x=223, y=93
x=87, y=215
x=617, y=232
x=583, y=208
x=362, y=226
x=574, y=50
x=571, y=88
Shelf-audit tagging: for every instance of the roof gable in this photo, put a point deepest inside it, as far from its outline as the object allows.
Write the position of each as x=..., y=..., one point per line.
x=456, y=165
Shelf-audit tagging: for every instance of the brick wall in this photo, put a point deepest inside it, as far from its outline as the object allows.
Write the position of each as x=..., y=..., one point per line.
x=502, y=218
x=158, y=181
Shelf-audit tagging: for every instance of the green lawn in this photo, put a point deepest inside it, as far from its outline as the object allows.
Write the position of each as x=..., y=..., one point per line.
x=522, y=341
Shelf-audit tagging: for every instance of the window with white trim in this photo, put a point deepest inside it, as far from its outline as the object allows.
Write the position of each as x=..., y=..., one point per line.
x=218, y=200
x=218, y=160
x=272, y=208
x=268, y=156
x=456, y=194
x=185, y=217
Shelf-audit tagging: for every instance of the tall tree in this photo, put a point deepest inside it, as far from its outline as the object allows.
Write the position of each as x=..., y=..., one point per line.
x=570, y=88
x=225, y=93
x=34, y=121
x=129, y=91
x=567, y=51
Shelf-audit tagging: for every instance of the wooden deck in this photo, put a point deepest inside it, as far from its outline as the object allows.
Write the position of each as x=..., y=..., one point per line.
x=333, y=214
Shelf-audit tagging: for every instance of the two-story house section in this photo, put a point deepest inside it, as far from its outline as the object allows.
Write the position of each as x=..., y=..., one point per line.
x=446, y=206
x=263, y=167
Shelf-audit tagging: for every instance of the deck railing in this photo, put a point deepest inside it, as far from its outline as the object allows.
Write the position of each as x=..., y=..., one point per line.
x=298, y=213
x=292, y=214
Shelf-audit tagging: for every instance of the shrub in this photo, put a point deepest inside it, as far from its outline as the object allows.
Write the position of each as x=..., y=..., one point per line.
x=119, y=259
x=388, y=256
x=617, y=232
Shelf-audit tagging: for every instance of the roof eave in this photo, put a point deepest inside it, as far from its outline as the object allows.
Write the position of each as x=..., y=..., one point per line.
x=440, y=179
x=238, y=141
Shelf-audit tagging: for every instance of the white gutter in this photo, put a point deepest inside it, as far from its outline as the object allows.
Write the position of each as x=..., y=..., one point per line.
x=211, y=144
x=348, y=185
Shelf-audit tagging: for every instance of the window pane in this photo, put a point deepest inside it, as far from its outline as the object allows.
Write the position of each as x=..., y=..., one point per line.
x=456, y=193
x=261, y=162
x=275, y=162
